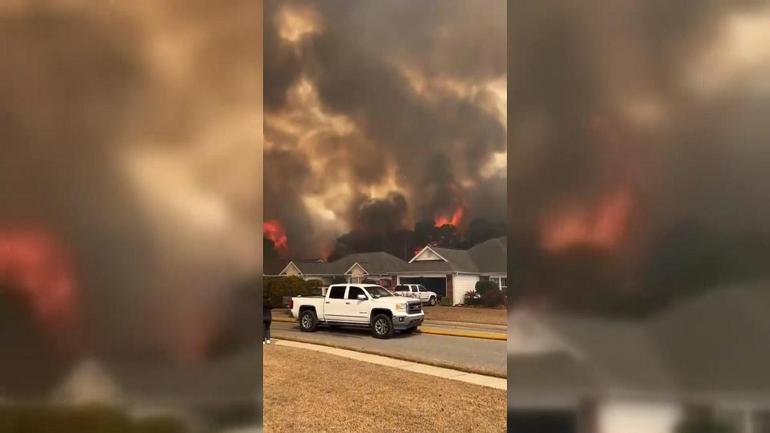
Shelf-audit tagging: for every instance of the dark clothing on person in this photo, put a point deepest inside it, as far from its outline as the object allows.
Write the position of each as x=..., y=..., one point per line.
x=267, y=311
x=267, y=331
x=267, y=318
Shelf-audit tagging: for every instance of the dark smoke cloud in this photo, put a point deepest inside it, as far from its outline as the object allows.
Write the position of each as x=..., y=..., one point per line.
x=415, y=93
x=649, y=97
x=128, y=134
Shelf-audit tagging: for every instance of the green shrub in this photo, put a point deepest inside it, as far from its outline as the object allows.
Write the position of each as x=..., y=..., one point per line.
x=493, y=298
x=486, y=286
x=275, y=288
x=471, y=298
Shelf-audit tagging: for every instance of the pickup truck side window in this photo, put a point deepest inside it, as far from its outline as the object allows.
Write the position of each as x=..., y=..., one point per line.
x=353, y=292
x=337, y=292
x=402, y=288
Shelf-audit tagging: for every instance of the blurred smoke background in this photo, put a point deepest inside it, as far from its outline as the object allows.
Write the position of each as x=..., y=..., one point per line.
x=638, y=214
x=130, y=203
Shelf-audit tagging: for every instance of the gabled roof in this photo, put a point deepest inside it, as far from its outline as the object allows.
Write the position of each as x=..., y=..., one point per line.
x=489, y=256
x=486, y=257
x=459, y=260
x=216, y=383
x=717, y=344
x=427, y=249
x=373, y=263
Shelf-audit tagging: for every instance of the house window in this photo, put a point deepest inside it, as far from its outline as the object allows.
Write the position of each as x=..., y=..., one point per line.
x=502, y=282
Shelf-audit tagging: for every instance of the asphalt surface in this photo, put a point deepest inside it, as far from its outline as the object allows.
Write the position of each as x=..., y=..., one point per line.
x=468, y=354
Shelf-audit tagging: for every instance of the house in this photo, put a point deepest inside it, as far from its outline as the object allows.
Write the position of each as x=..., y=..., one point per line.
x=217, y=395
x=377, y=266
x=587, y=375
x=451, y=273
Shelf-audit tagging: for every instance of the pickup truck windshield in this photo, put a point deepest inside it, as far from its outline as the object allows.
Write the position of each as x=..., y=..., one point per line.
x=378, y=292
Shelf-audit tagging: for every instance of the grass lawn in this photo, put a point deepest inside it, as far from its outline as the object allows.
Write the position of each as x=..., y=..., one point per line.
x=492, y=316
x=320, y=393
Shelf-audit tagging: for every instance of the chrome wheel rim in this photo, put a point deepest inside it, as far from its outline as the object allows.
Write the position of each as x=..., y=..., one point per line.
x=306, y=321
x=381, y=327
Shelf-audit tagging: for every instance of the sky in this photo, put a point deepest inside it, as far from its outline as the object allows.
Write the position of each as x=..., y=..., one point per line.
x=379, y=115
x=131, y=150
x=637, y=150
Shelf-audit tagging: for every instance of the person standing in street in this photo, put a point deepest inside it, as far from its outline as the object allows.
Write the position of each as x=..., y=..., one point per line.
x=267, y=318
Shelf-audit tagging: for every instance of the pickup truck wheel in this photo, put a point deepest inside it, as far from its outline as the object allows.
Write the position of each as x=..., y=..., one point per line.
x=308, y=321
x=432, y=301
x=382, y=326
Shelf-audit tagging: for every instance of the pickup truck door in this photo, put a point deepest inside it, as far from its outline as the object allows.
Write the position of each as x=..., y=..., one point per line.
x=416, y=291
x=335, y=304
x=357, y=309
x=423, y=293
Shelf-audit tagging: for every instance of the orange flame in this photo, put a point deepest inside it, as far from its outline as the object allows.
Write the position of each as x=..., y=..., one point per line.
x=602, y=227
x=274, y=231
x=36, y=265
x=453, y=220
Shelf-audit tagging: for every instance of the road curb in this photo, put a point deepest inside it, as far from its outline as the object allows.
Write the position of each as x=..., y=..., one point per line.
x=439, y=331
x=412, y=366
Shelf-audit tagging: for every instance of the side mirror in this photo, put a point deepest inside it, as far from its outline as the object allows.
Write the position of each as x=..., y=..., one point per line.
x=362, y=297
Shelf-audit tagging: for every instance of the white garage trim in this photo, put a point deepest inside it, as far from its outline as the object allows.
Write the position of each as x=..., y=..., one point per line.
x=462, y=284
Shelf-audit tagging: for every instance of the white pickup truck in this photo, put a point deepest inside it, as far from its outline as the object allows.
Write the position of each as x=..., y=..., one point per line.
x=417, y=291
x=367, y=305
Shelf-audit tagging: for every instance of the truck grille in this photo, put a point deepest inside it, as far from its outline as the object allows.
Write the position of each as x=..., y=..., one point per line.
x=413, y=308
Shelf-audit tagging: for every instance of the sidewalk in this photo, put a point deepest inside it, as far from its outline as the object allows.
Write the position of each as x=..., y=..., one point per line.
x=445, y=373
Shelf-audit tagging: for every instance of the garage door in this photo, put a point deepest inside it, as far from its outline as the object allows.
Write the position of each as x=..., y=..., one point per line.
x=542, y=421
x=434, y=284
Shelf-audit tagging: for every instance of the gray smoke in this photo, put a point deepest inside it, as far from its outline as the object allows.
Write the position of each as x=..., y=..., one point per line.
x=412, y=96
x=130, y=134
x=667, y=101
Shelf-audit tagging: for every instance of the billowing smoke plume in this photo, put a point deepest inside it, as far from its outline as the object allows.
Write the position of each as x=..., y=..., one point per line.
x=380, y=115
x=638, y=150
x=130, y=140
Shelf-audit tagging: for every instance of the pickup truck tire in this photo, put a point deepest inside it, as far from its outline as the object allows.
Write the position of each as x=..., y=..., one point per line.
x=308, y=321
x=382, y=326
x=432, y=301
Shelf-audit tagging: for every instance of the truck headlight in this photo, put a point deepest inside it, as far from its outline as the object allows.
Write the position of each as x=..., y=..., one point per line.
x=401, y=307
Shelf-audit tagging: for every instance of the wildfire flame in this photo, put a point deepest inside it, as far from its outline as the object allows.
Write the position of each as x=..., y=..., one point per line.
x=453, y=220
x=274, y=231
x=602, y=227
x=36, y=265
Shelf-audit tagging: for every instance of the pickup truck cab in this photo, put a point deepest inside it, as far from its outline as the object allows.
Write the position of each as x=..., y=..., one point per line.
x=417, y=291
x=366, y=305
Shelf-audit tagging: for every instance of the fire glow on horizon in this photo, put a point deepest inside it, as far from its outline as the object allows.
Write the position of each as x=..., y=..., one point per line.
x=603, y=226
x=454, y=220
x=36, y=265
x=274, y=231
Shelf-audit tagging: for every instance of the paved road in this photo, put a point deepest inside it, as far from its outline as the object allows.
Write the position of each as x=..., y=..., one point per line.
x=471, y=354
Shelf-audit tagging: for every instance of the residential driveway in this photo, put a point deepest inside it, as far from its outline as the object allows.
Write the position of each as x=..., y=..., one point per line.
x=470, y=354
